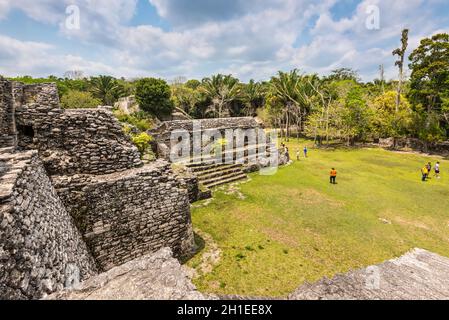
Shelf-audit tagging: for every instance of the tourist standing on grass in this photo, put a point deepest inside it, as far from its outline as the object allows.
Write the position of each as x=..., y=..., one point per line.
x=297, y=154
x=437, y=170
x=333, y=179
x=305, y=151
x=287, y=154
x=425, y=173
x=429, y=168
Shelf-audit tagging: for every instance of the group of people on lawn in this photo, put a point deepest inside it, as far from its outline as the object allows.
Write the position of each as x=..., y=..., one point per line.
x=426, y=170
x=333, y=173
x=286, y=152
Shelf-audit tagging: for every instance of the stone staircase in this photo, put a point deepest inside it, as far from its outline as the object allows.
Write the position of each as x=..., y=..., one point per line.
x=212, y=175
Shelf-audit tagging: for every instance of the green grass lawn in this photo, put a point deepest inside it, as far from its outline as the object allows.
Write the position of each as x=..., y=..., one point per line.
x=295, y=226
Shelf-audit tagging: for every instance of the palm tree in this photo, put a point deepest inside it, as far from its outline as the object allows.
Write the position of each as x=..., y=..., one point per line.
x=253, y=95
x=284, y=89
x=222, y=90
x=106, y=88
x=296, y=93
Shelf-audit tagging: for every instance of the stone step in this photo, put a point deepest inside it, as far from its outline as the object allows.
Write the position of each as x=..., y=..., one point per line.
x=6, y=150
x=7, y=141
x=220, y=172
x=224, y=180
x=206, y=158
x=205, y=168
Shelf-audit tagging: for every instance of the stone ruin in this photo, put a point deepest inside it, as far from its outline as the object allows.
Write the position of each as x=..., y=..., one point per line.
x=81, y=217
x=246, y=147
x=75, y=197
x=76, y=200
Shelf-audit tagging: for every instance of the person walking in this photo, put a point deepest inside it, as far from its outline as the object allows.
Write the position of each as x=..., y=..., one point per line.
x=429, y=170
x=437, y=170
x=287, y=154
x=333, y=178
x=425, y=173
x=305, y=151
x=297, y=154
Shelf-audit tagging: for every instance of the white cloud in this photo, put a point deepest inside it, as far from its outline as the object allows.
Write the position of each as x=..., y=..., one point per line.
x=249, y=38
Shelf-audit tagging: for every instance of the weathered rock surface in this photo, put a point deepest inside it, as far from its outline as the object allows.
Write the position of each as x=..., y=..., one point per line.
x=127, y=214
x=82, y=200
x=152, y=277
x=418, y=275
x=41, y=250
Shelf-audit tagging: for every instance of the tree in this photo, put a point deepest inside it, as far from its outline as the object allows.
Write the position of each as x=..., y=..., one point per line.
x=284, y=90
x=388, y=122
x=356, y=116
x=253, y=95
x=193, y=84
x=222, y=90
x=79, y=100
x=429, y=81
x=343, y=74
x=107, y=89
x=153, y=96
x=400, y=52
x=184, y=98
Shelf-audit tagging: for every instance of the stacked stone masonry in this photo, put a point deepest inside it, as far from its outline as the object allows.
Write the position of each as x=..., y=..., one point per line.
x=128, y=214
x=41, y=251
x=70, y=141
x=163, y=133
x=115, y=208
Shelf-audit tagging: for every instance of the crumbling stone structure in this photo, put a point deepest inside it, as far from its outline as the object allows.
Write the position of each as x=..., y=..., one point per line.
x=217, y=151
x=40, y=248
x=155, y=276
x=96, y=199
x=125, y=215
x=70, y=141
x=163, y=133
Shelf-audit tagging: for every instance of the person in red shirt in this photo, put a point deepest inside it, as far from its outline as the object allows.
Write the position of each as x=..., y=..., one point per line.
x=333, y=179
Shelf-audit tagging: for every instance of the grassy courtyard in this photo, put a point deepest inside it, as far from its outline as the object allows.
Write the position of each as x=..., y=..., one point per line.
x=276, y=232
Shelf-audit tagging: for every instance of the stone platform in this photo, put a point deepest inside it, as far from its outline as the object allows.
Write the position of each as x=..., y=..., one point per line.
x=417, y=275
x=152, y=277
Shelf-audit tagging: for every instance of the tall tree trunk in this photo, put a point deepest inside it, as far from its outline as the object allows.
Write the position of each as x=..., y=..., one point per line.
x=287, y=124
x=399, y=90
x=327, y=125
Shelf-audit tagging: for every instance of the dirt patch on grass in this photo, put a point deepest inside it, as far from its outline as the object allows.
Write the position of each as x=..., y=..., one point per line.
x=209, y=258
x=280, y=237
x=311, y=197
x=412, y=223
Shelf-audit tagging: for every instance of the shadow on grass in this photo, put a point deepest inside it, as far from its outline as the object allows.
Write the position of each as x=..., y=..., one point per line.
x=200, y=244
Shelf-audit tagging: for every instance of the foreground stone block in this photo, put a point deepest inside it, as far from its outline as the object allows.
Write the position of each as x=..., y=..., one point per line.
x=152, y=277
x=417, y=275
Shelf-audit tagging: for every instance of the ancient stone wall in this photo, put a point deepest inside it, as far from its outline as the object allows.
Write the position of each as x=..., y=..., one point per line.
x=7, y=125
x=70, y=141
x=198, y=129
x=126, y=215
x=163, y=132
x=107, y=208
x=41, y=250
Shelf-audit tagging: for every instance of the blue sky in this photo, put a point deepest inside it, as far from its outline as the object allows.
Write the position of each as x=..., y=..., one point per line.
x=196, y=38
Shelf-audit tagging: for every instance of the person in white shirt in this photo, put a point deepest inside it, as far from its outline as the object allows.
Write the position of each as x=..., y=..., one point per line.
x=437, y=170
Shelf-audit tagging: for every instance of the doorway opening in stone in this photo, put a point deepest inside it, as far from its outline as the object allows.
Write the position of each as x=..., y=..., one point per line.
x=26, y=134
x=26, y=131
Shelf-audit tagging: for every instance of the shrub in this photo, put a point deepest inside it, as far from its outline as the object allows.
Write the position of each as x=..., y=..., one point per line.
x=153, y=96
x=142, y=142
x=79, y=100
x=140, y=120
